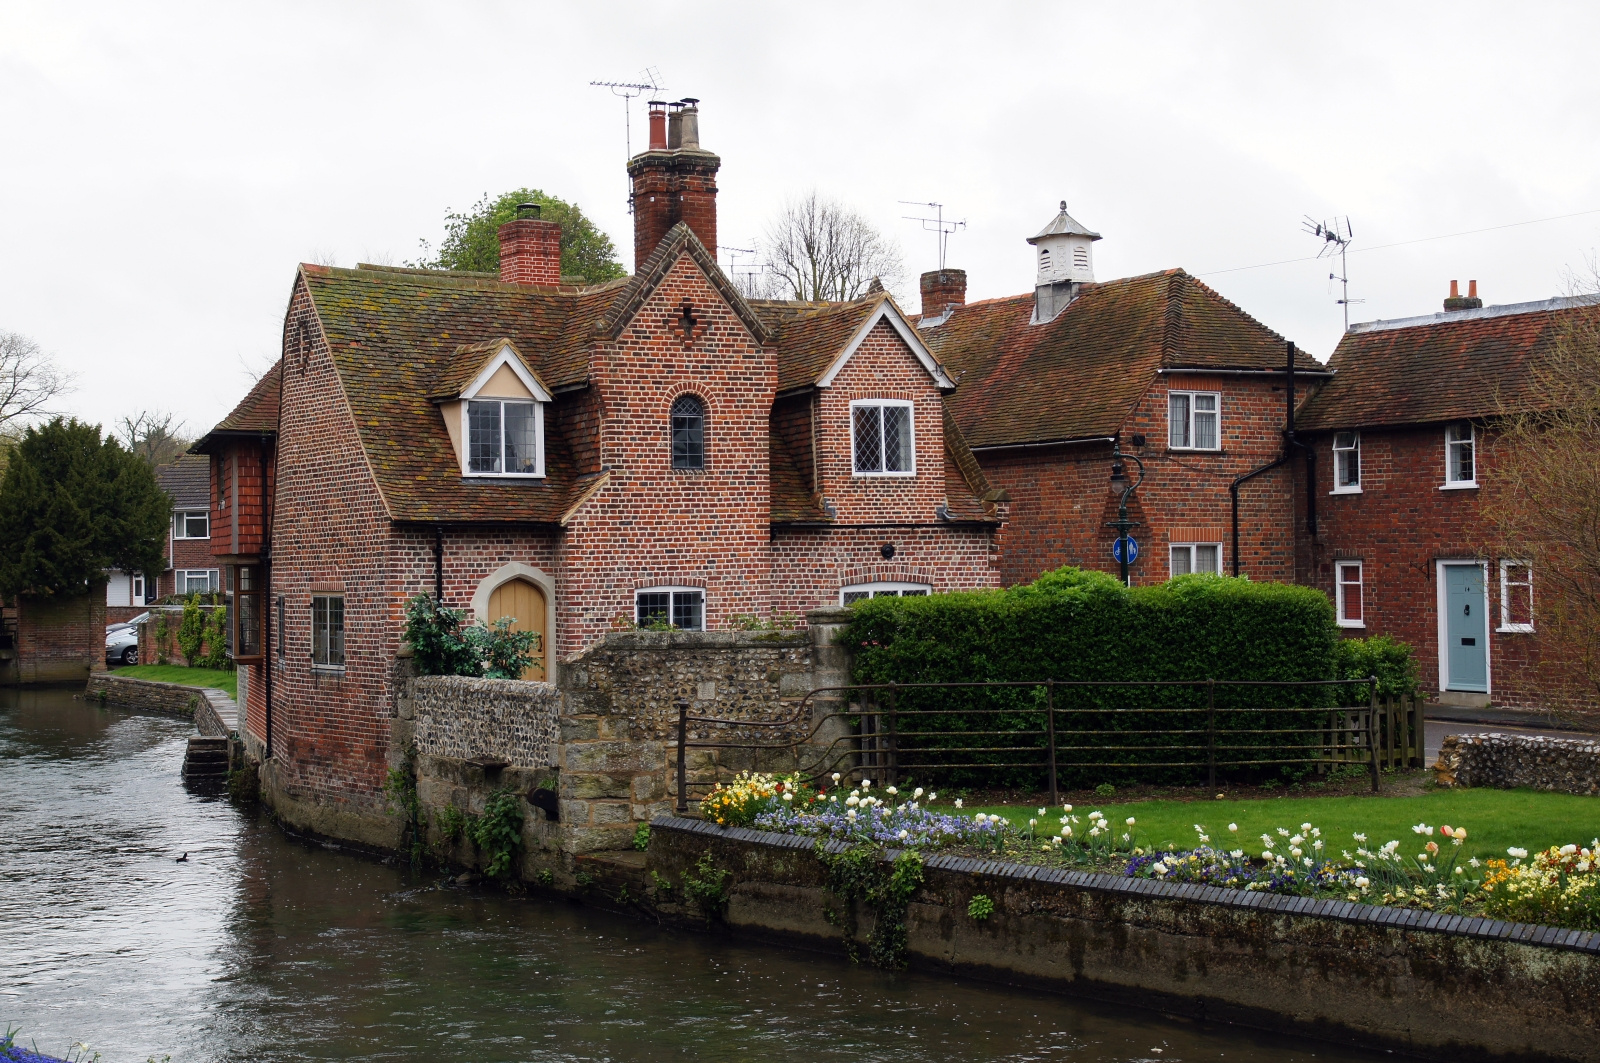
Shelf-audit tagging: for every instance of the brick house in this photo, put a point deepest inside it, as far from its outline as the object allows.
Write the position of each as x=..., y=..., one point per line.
x=1406, y=431
x=656, y=449
x=1188, y=382
x=189, y=564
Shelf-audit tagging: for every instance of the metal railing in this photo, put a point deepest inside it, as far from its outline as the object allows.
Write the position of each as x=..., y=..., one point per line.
x=888, y=731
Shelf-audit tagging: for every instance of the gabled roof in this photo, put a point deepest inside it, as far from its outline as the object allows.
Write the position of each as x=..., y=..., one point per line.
x=1445, y=367
x=187, y=480
x=815, y=340
x=680, y=240
x=1080, y=375
x=256, y=414
x=472, y=365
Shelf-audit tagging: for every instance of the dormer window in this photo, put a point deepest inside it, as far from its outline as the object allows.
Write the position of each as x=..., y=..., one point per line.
x=503, y=438
x=496, y=422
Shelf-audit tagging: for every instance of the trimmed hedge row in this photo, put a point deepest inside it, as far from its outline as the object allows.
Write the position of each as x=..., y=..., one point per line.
x=1074, y=626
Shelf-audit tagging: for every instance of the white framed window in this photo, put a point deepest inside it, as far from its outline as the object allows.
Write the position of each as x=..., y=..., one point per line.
x=196, y=581
x=882, y=439
x=1196, y=557
x=1348, y=601
x=681, y=607
x=504, y=437
x=859, y=592
x=191, y=524
x=138, y=588
x=1460, y=456
x=1346, y=463
x=1516, y=596
x=327, y=632
x=1194, y=420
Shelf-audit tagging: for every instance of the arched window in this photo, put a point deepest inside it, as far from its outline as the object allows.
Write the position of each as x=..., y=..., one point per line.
x=688, y=433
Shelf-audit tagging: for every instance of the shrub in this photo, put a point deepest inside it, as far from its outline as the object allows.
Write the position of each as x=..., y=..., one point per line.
x=192, y=632
x=1387, y=658
x=441, y=646
x=1077, y=626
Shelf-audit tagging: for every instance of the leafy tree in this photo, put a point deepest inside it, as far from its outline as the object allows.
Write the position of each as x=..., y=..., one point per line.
x=471, y=240
x=72, y=505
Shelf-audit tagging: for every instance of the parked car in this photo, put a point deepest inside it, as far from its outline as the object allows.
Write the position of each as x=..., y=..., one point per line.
x=122, y=644
x=134, y=623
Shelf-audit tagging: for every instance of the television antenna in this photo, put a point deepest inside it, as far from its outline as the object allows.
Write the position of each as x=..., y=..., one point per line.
x=628, y=90
x=1336, y=236
x=743, y=268
x=936, y=224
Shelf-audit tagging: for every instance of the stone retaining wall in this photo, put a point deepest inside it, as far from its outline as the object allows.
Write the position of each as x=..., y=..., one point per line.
x=1439, y=987
x=208, y=707
x=498, y=719
x=1505, y=762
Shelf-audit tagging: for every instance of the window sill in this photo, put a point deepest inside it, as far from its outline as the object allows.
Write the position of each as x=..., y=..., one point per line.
x=1469, y=485
x=1194, y=450
x=1352, y=624
x=502, y=476
x=327, y=669
x=1345, y=491
x=883, y=475
x=1514, y=629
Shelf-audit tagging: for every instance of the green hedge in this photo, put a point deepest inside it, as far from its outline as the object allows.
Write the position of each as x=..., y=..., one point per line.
x=1073, y=625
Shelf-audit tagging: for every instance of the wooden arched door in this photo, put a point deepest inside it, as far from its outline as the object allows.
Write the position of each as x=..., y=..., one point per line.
x=525, y=604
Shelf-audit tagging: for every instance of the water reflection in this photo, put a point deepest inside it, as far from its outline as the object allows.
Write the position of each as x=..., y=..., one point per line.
x=262, y=948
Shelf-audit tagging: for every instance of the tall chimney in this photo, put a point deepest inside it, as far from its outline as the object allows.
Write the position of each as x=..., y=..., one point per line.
x=674, y=180
x=530, y=249
x=1455, y=300
x=943, y=290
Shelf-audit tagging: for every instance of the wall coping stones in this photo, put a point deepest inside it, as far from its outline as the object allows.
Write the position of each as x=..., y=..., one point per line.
x=1341, y=911
x=700, y=640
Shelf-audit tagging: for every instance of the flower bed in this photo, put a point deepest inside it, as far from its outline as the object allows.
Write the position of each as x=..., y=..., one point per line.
x=1557, y=887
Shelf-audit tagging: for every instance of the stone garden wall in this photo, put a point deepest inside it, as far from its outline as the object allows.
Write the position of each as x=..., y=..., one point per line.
x=212, y=710
x=1419, y=983
x=494, y=719
x=1505, y=762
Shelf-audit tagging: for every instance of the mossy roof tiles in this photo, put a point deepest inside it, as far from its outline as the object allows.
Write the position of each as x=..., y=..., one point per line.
x=1445, y=369
x=1080, y=375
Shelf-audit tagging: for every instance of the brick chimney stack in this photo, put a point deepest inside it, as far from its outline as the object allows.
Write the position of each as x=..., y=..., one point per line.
x=530, y=249
x=943, y=290
x=674, y=180
x=1456, y=302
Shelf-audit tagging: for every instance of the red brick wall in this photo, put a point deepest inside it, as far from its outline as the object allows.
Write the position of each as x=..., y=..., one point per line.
x=1061, y=499
x=810, y=566
x=655, y=525
x=186, y=553
x=61, y=639
x=1399, y=527
x=239, y=499
x=883, y=367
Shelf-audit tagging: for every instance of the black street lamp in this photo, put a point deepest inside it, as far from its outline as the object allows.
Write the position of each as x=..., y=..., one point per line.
x=1122, y=490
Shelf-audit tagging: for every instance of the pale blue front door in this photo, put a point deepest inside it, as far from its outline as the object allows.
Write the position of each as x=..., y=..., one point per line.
x=1466, y=629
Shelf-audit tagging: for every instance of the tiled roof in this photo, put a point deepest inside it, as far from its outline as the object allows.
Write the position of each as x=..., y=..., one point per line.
x=187, y=480
x=811, y=335
x=1442, y=368
x=394, y=333
x=792, y=500
x=258, y=410
x=460, y=369
x=1080, y=375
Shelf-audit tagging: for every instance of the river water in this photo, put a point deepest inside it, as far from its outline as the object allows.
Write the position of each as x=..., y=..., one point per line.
x=260, y=947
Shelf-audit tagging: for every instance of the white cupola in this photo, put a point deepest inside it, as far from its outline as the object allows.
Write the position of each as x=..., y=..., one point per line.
x=1065, y=250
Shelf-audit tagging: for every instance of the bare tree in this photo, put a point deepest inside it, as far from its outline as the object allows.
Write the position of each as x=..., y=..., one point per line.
x=29, y=380
x=1547, y=499
x=819, y=249
x=153, y=436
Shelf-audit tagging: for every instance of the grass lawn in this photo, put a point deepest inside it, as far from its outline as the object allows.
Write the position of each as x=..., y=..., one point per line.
x=221, y=679
x=1494, y=819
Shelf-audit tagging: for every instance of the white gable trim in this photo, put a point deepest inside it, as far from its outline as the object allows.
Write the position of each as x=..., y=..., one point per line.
x=507, y=356
x=886, y=312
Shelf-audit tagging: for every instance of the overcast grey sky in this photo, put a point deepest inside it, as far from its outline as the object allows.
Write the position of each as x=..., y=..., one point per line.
x=163, y=167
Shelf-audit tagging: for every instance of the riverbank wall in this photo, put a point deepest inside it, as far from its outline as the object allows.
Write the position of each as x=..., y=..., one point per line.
x=1426, y=985
x=589, y=758
x=209, y=708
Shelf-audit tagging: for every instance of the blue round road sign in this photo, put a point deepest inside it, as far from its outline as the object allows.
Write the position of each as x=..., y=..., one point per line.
x=1132, y=548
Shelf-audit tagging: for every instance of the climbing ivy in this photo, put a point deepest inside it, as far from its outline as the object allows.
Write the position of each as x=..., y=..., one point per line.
x=861, y=874
x=498, y=832
x=400, y=788
x=709, y=889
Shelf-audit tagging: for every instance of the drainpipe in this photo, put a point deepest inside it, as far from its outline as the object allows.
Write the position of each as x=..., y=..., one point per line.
x=1289, y=441
x=438, y=564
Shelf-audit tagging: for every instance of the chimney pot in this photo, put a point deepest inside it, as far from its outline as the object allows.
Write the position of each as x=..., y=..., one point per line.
x=658, y=125
x=1472, y=289
x=528, y=210
x=1459, y=302
x=1455, y=289
x=689, y=134
x=674, y=126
